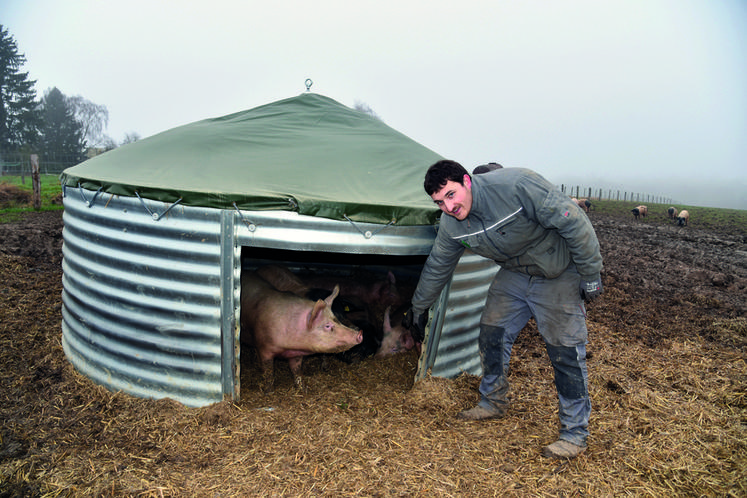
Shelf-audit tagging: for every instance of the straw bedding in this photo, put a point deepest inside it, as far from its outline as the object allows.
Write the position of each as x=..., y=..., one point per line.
x=668, y=381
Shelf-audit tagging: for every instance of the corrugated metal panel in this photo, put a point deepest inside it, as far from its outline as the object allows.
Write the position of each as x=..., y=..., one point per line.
x=151, y=301
x=294, y=232
x=142, y=296
x=455, y=326
x=151, y=292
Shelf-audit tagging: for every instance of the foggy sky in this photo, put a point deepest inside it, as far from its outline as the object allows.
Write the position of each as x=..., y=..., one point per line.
x=637, y=95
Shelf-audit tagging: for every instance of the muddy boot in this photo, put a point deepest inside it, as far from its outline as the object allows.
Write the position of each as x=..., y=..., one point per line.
x=483, y=411
x=562, y=449
x=494, y=385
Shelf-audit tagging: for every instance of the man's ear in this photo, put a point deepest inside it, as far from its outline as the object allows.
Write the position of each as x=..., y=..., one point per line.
x=467, y=181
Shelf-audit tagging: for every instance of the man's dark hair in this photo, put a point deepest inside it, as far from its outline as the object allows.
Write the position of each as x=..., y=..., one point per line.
x=440, y=173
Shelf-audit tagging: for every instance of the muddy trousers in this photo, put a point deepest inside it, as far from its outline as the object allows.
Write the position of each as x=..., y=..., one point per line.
x=513, y=298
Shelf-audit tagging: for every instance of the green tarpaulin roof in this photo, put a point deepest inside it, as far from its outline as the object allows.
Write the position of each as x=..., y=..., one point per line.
x=308, y=154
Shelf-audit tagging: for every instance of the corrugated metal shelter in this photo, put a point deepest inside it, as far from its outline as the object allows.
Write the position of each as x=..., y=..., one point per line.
x=157, y=233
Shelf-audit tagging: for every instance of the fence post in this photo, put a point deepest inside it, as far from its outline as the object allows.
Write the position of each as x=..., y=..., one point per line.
x=35, y=180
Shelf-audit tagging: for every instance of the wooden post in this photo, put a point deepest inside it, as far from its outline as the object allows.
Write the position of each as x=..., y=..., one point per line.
x=35, y=180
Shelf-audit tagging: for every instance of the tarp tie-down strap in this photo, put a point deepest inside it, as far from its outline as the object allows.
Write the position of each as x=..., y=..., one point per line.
x=368, y=233
x=83, y=196
x=249, y=224
x=153, y=215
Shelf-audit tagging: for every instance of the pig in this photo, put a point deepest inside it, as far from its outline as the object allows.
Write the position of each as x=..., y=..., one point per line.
x=283, y=279
x=361, y=306
x=584, y=204
x=672, y=212
x=395, y=339
x=683, y=218
x=639, y=211
x=349, y=311
x=379, y=293
x=283, y=325
x=354, y=313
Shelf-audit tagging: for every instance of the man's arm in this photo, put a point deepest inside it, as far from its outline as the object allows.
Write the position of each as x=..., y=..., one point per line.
x=437, y=271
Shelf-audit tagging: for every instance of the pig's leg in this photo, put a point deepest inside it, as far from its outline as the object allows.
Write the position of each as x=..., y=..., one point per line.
x=296, y=366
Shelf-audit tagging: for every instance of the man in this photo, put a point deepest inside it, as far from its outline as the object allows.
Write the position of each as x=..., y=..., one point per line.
x=550, y=262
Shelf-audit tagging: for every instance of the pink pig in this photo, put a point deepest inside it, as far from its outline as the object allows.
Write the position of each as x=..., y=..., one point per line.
x=283, y=325
x=395, y=339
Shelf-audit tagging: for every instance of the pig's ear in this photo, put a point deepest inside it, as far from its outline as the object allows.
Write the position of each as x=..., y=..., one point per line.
x=387, y=322
x=316, y=313
x=332, y=296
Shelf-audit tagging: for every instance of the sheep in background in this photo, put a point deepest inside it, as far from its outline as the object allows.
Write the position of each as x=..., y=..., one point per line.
x=641, y=211
x=683, y=218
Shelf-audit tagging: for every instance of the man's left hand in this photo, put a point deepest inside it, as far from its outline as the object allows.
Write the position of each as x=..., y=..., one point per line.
x=590, y=289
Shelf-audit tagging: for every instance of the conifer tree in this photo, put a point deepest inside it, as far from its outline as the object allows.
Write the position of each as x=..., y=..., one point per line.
x=20, y=116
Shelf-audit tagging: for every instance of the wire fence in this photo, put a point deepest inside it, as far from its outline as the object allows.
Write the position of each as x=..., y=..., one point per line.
x=19, y=163
x=600, y=194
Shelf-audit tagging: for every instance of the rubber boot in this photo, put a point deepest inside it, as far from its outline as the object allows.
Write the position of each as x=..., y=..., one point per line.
x=494, y=385
x=574, y=405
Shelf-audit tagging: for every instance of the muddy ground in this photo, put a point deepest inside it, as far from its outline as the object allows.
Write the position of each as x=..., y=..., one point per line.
x=668, y=346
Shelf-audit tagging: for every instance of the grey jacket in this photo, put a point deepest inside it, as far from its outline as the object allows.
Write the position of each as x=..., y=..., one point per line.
x=519, y=220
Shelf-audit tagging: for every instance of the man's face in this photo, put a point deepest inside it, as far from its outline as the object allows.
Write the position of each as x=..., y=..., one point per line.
x=454, y=198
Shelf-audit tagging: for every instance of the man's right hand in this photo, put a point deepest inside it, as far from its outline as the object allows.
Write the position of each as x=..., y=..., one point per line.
x=416, y=323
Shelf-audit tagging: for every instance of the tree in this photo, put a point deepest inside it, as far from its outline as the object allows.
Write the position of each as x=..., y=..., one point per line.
x=93, y=117
x=62, y=141
x=130, y=138
x=20, y=117
x=366, y=109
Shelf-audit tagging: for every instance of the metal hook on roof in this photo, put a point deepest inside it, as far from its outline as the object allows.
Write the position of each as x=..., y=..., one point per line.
x=153, y=215
x=249, y=224
x=83, y=196
x=368, y=233
x=308, y=84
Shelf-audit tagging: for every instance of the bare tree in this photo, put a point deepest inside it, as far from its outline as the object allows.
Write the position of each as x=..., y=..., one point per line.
x=93, y=118
x=108, y=143
x=365, y=108
x=130, y=137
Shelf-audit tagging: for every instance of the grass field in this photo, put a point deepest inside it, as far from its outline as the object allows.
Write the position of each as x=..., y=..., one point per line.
x=50, y=190
x=700, y=217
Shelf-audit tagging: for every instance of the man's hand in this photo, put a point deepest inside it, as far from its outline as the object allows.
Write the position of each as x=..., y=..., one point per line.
x=590, y=289
x=415, y=324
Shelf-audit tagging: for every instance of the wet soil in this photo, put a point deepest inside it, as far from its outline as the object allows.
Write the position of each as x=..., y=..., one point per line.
x=662, y=283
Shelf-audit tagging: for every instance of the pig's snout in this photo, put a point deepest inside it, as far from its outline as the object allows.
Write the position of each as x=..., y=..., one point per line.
x=407, y=341
x=359, y=337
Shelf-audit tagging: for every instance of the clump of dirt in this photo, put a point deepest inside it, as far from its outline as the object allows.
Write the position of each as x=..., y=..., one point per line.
x=13, y=196
x=38, y=236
